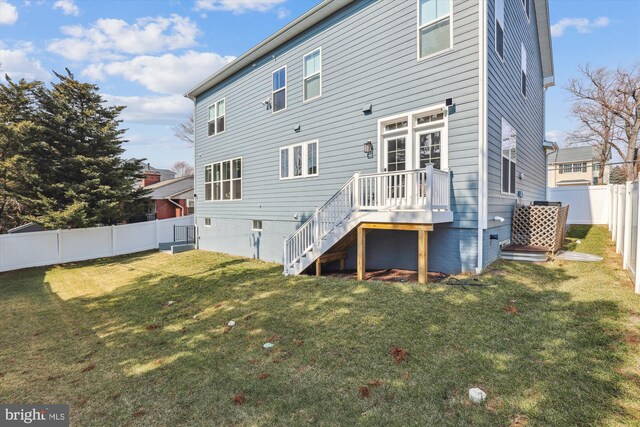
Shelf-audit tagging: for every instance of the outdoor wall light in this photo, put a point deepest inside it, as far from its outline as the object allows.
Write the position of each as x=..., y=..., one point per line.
x=296, y=128
x=368, y=149
x=367, y=108
x=267, y=103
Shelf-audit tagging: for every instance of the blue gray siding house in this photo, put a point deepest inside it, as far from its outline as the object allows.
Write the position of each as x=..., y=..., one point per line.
x=440, y=119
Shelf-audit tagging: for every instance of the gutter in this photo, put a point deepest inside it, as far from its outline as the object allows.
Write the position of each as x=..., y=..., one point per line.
x=177, y=204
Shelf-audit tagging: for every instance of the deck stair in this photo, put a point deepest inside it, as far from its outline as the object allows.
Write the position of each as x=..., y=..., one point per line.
x=413, y=196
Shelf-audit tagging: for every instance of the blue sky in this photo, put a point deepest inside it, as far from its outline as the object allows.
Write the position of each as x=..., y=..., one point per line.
x=147, y=53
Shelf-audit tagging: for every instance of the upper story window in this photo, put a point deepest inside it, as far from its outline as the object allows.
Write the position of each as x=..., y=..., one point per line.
x=572, y=167
x=525, y=4
x=279, y=91
x=508, y=147
x=434, y=27
x=312, y=63
x=223, y=180
x=215, y=124
x=523, y=70
x=499, y=35
x=299, y=160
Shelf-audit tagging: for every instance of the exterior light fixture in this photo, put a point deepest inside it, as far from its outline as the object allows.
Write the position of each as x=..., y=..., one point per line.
x=296, y=128
x=367, y=108
x=368, y=149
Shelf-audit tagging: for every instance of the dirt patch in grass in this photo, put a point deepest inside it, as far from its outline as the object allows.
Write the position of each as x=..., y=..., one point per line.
x=387, y=275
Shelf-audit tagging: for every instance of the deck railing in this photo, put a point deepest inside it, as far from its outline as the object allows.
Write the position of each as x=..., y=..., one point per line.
x=419, y=189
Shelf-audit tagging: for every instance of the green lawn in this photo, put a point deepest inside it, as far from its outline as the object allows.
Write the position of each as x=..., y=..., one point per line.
x=552, y=344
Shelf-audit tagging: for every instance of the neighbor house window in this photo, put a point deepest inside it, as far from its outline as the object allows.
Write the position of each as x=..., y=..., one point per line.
x=508, y=145
x=312, y=64
x=256, y=225
x=299, y=160
x=216, y=118
x=279, y=95
x=525, y=4
x=226, y=180
x=566, y=168
x=499, y=36
x=579, y=167
x=523, y=69
x=434, y=27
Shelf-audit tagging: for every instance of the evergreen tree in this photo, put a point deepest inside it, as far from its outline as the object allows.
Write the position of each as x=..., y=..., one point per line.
x=20, y=150
x=84, y=182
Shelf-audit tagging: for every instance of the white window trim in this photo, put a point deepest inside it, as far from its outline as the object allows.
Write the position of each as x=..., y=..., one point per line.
x=495, y=30
x=304, y=78
x=221, y=180
x=419, y=27
x=285, y=88
x=305, y=160
x=253, y=221
x=411, y=130
x=523, y=68
x=216, y=117
x=515, y=161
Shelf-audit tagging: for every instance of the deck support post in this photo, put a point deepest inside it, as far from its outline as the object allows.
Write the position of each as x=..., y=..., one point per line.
x=423, y=261
x=361, y=249
x=318, y=267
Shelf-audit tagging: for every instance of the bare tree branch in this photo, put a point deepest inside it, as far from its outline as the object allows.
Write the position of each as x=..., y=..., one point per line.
x=186, y=131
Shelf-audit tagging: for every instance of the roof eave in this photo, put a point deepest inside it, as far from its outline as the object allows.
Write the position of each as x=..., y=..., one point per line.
x=288, y=32
x=544, y=40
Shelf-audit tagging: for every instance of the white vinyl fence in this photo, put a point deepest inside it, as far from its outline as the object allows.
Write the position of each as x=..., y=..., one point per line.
x=589, y=204
x=40, y=248
x=614, y=205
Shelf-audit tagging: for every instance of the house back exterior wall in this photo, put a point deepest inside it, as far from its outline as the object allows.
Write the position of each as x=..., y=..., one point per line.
x=369, y=55
x=526, y=115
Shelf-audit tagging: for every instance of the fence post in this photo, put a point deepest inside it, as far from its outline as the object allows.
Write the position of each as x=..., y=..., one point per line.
x=113, y=240
x=628, y=209
x=60, y=256
x=622, y=211
x=155, y=223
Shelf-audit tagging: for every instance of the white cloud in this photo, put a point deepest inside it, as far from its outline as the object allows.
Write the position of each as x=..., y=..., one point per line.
x=168, y=74
x=68, y=7
x=170, y=109
x=110, y=38
x=581, y=25
x=239, y=6
x=18, y=64
x=8, y=13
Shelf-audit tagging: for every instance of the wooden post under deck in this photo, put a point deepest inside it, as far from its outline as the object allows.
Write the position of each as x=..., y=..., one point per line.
x=362, y=255
x=423, y=262
x=423, y=244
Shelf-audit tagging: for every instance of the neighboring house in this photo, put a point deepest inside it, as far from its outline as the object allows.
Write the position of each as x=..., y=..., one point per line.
x=151, y=175
x=29, y=227
x=421, y=120
x=171, y=198
x=575, y=166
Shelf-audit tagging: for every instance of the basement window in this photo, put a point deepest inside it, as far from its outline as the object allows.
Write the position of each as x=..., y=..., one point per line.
x=256, y=225
x=207, y=222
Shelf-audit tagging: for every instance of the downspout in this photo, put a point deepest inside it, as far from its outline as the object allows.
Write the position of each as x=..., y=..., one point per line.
x=483, y=163
x=177, y=204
